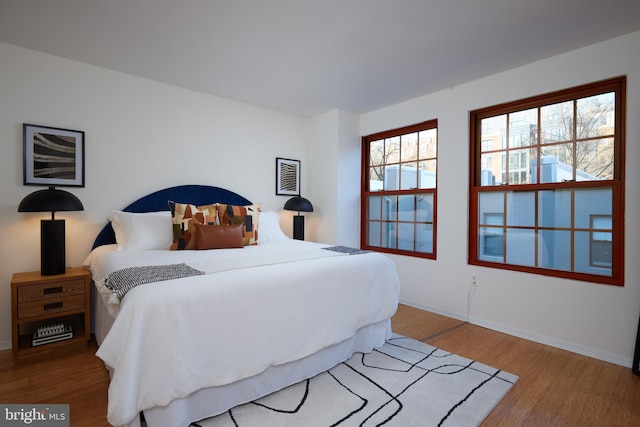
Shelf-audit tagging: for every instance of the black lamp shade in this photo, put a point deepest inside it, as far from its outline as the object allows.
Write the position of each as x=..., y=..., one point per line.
x=52, y=241
x=299, y=204
x=50, y=200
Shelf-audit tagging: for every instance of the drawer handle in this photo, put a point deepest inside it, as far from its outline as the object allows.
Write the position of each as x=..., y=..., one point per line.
x=54, y=290
x=53, y=305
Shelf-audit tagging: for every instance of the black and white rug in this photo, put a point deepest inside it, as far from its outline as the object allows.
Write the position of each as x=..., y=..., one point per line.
x=403, y=383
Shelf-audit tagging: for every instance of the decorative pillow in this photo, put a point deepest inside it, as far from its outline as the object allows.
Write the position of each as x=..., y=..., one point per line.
x=218, y=236
x=246, y=215
x=184, y=217
x=270, y=227
x=141, y=231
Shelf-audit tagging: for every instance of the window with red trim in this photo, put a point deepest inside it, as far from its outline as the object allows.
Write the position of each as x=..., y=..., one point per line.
x=399, y=177
x=547, y=184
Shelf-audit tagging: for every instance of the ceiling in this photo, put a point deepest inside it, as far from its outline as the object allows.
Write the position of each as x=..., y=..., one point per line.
x=307, y=57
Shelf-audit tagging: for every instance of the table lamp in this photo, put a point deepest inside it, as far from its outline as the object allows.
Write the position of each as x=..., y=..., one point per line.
x=52, y=243
x=299, y=204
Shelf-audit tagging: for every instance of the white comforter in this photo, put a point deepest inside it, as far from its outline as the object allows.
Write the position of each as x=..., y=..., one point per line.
x=172, y=338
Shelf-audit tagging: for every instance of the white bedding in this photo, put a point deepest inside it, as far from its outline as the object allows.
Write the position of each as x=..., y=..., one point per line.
x=172, y=338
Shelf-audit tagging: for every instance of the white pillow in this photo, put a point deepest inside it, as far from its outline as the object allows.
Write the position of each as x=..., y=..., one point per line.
x=142, y=231
x=269, y=227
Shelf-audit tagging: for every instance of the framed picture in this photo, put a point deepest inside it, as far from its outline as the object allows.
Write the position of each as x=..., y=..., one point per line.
x=53, y=156
x=287, y=177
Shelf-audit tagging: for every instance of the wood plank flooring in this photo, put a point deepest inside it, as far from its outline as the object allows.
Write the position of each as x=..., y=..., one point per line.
x=556, y=387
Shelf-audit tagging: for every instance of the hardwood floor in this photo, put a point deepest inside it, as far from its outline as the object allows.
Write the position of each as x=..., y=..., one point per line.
x=556, y=387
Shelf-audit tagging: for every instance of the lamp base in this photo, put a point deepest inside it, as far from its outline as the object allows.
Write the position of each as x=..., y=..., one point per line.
x=52, y=256
x=298, y=227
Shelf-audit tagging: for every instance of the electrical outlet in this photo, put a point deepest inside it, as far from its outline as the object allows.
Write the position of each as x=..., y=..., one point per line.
x=474, y=281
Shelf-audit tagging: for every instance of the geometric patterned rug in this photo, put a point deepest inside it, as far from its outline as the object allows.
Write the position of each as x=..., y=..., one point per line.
x=403, y=383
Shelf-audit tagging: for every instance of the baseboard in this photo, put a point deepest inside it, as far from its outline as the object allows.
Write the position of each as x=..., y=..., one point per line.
x=531, y=336
x=5, y=345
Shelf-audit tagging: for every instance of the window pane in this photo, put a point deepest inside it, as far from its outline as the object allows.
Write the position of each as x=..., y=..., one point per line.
x=554, y=249
x=375, y=208
x=373, y=234
x=376, y=152
x=557, y=122
x=556, y=165
x=490, y=173
x=521, y=209
x=595, y=159
x=427, y=177
x=406, y=208
x=424, y=212
x=490, y=203
x=406, y=236
x=392, y=177
x=409, y=176
x=593, y=201
x=521, y=247
x=494, y=131
x=389, y=235
x=376, y=178
x=424, y=238
x=392, y=150
x=428, y=147
x=389, y=208
x=409, y=147
x=596, y=115
x=554, y=208
x=523, y=128
x=520, y=166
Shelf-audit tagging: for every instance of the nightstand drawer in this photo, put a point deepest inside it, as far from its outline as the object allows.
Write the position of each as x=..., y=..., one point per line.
x=55, y=290
x=50, y=305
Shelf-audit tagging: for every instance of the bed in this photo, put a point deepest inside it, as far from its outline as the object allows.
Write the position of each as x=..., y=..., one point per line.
x=234, y=323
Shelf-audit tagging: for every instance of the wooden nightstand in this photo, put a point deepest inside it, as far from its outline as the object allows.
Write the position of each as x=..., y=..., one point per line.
x=38, y=301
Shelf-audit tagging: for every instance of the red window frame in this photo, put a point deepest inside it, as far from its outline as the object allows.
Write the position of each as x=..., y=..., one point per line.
x=616, y=184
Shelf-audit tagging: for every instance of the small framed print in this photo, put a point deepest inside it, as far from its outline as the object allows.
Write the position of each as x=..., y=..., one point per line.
x=287, y=177
x=53, y=156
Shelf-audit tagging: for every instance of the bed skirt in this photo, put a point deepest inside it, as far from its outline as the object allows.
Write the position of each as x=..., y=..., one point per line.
x=212, y=401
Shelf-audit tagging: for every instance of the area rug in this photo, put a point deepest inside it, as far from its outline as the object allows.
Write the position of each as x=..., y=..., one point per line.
x=403, y=383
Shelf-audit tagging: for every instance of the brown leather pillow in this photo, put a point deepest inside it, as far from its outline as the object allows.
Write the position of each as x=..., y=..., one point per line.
x=218, y=236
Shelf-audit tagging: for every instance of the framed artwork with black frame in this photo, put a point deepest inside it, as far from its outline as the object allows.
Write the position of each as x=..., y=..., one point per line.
x=287, y=177
x=53, y=156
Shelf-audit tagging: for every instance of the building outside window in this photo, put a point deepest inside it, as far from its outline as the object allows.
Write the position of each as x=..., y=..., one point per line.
x=399, y=177
x=554, y=201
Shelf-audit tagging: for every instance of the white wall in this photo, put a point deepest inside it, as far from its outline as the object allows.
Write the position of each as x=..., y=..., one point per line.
x=334, y=183
x=141, y=136
x=593, y=319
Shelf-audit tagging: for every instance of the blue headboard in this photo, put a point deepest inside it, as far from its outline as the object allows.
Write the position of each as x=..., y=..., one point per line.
x=158, y=201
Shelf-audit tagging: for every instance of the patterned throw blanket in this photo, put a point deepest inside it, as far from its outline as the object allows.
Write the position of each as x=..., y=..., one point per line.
x=346, y=250
x=122, y=281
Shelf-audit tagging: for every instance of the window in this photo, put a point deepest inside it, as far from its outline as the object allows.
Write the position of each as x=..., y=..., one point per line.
x=553, y=204
x=399, y=190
